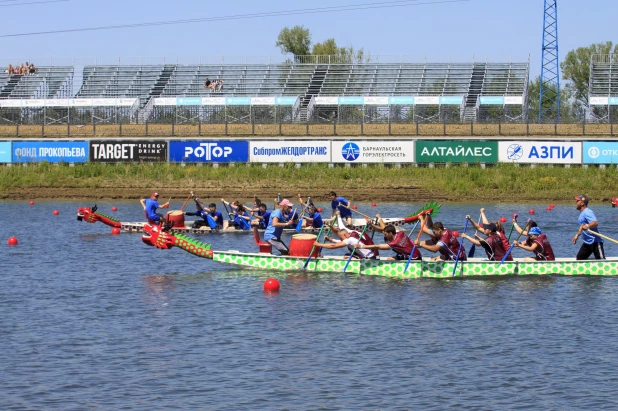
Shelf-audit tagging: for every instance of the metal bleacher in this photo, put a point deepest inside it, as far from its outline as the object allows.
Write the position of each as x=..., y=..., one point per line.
x=48, y=82
x=603, y=86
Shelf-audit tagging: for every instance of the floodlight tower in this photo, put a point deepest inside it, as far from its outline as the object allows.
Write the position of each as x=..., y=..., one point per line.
x=549, y=101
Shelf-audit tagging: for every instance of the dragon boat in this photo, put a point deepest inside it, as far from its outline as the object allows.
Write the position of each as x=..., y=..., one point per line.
x=475, y=267
x=92, y=215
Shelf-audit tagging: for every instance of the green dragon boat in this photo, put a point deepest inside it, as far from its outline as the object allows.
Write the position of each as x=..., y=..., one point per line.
x=475, y=267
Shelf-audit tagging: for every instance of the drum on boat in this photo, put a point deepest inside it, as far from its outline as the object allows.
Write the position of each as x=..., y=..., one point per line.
x=301, y=245
x=176, y=218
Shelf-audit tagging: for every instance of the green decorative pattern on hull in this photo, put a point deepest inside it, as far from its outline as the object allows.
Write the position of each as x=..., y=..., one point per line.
x=424, y=269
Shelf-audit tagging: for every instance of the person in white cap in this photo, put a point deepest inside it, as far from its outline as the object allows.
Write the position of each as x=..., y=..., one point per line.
x=276, y=225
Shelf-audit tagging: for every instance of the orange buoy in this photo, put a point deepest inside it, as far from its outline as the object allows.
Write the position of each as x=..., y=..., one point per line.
x=115, y=230
x=319, y=209
x=354, y=207
x=271, y=285
x=12, y=241
x=552, y=206
x=56, y=212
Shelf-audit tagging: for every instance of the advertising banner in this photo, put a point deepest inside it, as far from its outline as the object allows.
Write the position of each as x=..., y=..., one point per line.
x=326, y=101
x=128, y=151
x=5, y=152
x=492, y=100
x=189, y=101
x=613, y=101
x=213, y=101
x=165, y=101
x=50, y=151
x=600, y=152
x=262, y=101
x=376, y=101
x=456, y=151
x=540, y=152
x=514, y=100
x=401, y=100
x=372, y=151
x=238, y=101
x=351, y=100
x=599, y=101
x=290, y=151
x=285, y=101
x=209, y=151
x=10, y=103
x=427, y=100
x=451, y=100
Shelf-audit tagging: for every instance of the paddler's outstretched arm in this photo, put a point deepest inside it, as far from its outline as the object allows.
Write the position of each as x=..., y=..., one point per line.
x=471, y=239
x=434, y=248
x=483, y=217
x=143, y=203
x=330, y=245
x=372, y=247
x=476, y=226
x=380, y=226
x=519, y=229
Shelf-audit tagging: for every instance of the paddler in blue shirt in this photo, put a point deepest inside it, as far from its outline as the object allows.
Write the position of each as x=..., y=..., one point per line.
x=344, y=207
x=150, y=206
x=314, y=218
x=240, y=215
x=263, y=216
x=276, y=225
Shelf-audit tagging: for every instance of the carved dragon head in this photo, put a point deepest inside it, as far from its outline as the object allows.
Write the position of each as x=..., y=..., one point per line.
x=157, y=236
x=88, y=214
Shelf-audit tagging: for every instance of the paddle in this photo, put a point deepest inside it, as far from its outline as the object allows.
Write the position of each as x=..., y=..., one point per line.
x=602, y=236
x=512, y=227
x=299, y=226
x=352, y=253
x=414, y=248
x=473, y=248
x=459, y=251
x=318, y=240
x=513, y=245
x=185, y=203
x=226, y=210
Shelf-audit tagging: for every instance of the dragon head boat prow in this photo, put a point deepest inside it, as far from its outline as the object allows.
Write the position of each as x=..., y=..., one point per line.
x=161, y=237
x=90, y=215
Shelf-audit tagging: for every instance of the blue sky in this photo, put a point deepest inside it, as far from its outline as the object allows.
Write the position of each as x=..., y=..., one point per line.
x=500, y=29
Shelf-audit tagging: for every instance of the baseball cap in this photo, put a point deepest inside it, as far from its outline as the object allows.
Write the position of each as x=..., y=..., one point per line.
x=491, y=226
x=534, y=231
x=285, y=202
x=155, y=195
x=583, y=198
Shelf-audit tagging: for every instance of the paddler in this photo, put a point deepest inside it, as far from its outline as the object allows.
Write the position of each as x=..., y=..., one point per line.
x=442, y=241
x=350, y=239
x=538, y=244
x=343, y=205
x=276, y=225
x=311, y=215
x=492, y=243
x=150, y=206
x=262, y=215
x=399, y=242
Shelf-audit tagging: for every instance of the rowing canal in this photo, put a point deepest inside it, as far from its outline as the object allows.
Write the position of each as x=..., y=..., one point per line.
x=89, y=320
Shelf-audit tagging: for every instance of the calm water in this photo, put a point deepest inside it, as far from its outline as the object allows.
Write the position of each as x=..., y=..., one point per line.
x=94, y=321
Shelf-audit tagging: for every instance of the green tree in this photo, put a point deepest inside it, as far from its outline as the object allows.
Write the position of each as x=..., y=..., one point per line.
x=570, y=110
x=576, y=69
x=296, y=41
x=342, y=54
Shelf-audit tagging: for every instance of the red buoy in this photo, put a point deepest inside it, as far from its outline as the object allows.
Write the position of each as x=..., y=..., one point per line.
x=272, y=285
x=56, y=212
x=531, y=211
x=354, y=207
x=12, y=241
x=456, y=233
x=32, y=203
x=373, y=204
x=548, y=208
x=114, y=208
x=552, y=206
x=115, y=230
x=503, y=219
x=319, y=209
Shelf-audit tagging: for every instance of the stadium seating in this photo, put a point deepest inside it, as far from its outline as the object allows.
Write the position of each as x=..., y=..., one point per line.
x=47, y=82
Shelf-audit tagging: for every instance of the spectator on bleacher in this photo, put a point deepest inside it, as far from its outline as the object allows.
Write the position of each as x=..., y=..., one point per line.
x=31, y=69
x=219, y=85
x=207, y=83
x=9, y=70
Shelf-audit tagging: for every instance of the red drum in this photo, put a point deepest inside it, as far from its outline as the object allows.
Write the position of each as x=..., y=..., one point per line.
x=301, y=245
x=176, y=217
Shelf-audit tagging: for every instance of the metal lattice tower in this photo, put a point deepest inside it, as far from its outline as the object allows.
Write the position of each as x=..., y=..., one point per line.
x=549, y=102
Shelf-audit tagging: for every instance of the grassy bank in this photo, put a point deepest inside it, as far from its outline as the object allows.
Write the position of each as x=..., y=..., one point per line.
x=502, y=183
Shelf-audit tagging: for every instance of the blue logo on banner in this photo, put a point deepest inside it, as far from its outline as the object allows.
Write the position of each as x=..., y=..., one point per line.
x=350, y=151
x=189, y=101
x=514, y=152
x=5, y=152
x=401, y=100
x=600, y=153
x=451, y=100
x=209, y=151
x=613, y=101
x=495, y=100
x=238, y=101
x=352, y=100
x=285, y=101
x=53, y=152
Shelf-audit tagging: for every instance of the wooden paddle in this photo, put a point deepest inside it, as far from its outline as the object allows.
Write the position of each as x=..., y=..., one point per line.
x=414, y=248
x=513, y=245
x=185, y=203
x=357, y=212
x=602, y=236
x=459, y=251
x=352, y=253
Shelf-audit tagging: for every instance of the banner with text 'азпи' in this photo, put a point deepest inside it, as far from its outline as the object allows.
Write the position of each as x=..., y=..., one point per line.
x=456, y=151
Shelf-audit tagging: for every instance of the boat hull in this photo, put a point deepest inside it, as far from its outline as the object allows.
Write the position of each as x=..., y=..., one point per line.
x=421, y=269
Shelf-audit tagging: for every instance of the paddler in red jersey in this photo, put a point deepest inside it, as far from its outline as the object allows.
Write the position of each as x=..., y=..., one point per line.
x=538, y=244
x=492, y=244
x=442, y=241
x=396, y=241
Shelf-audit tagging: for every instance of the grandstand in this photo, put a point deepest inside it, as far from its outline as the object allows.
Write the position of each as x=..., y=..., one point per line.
x=603, y=88
x=441, y=91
